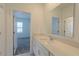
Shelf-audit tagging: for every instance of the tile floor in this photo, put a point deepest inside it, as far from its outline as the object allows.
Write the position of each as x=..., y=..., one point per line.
x=24, y=54
x=21, y=51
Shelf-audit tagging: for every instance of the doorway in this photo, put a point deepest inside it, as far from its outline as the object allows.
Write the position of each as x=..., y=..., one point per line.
x=68, y=27
x=21, y=33
x=55, y=25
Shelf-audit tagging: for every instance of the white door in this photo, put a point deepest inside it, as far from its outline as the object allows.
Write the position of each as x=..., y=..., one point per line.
x=69, y=27
x=14, y=38
x=55, y=25
x=2, y=32
x=21, y=32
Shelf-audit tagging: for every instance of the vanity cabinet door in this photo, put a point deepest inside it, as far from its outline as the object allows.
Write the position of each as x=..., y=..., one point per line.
x=39, y=50
x=35, y=48
x=42, y=51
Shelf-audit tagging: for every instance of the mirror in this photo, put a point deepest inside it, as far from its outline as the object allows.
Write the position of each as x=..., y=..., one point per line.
x=62, y=20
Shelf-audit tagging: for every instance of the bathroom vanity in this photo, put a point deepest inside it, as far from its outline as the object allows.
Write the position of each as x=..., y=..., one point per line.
x=43, y=46
x=39, y=46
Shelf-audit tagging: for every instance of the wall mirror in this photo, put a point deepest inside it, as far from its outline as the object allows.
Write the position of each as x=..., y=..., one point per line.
x=62, y=20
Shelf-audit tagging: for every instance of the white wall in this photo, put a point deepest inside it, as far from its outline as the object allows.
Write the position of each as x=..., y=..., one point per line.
x=48, y=14
x=76, y=23
x=2, y=30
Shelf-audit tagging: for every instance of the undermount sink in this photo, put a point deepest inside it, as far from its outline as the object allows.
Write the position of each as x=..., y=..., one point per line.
x=45, y=39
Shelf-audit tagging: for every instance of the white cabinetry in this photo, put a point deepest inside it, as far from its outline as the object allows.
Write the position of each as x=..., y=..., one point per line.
x=39, y=50
x=35, y=48
x=42, y=51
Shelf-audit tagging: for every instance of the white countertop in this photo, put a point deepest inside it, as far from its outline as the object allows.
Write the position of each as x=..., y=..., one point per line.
x=57, y=47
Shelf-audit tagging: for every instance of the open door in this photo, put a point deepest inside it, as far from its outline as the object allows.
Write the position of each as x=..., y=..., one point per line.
x=55, y=25
x=21, y=32
x=69, y=27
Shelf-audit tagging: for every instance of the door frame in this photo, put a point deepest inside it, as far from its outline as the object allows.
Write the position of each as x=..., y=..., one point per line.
x=30, y=29
x=3, y=31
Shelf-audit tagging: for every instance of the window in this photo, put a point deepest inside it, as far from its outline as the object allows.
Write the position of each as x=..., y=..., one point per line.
x=19, y=27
